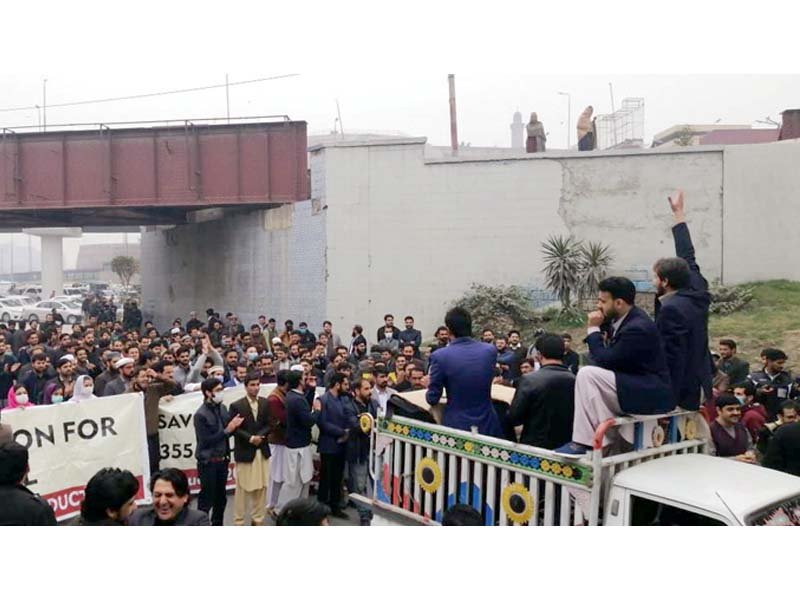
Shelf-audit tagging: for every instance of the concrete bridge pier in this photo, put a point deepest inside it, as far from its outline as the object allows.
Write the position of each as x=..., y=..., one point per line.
x=53, y=257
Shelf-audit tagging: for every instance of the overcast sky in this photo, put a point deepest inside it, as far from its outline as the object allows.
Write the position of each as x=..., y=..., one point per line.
x=387, y=63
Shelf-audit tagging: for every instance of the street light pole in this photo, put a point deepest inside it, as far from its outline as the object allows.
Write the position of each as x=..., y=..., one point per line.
x=44, y=104
x=569, y=115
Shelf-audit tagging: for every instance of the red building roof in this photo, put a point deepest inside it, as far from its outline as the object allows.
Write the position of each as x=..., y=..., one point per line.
x=739, y=136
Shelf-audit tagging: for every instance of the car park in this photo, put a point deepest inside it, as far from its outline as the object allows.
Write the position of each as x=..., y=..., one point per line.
x=70, y=310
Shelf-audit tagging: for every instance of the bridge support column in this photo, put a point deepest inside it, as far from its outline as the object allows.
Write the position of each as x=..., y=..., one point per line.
x=53, y=258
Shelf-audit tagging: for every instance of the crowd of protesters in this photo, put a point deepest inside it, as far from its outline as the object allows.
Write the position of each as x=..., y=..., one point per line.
x=634, y=365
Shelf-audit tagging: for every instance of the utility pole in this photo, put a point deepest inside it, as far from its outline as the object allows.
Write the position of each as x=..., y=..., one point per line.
x=613, y=110
x=453, y=118
x=227, y=98
x=44, y=104
x=339, y=113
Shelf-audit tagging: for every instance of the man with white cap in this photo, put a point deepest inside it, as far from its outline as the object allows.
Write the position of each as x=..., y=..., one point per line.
x=214, y=372
x=116, y=386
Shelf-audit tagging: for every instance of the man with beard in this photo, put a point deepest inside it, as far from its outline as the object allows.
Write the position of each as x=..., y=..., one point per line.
x=630, y=376
x=682, y=315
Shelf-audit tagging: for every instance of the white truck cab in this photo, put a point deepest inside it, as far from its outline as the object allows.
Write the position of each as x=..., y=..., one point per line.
x=697, y=489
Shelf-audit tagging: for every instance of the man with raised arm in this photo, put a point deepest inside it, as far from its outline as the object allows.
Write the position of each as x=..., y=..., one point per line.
x=682, y=302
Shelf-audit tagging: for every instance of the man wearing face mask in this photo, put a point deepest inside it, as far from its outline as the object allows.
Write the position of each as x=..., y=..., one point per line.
x=213, y=427
x=389, y=335
x=630, y=375
x=306, y=337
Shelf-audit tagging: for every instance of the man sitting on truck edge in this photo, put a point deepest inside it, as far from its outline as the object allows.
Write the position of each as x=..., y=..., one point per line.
x=630, y=376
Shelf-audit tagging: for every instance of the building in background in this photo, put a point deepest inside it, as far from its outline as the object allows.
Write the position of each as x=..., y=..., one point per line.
x=739, y=136
x=94, y=262
x=19, y=253
x=691, y=135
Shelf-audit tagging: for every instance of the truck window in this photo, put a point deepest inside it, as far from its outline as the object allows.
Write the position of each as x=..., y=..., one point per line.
x=651, y=513
x=785, y=513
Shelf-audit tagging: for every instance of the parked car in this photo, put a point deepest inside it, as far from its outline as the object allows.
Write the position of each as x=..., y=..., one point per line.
x=11, y=308
x=34, y=292
x=71, y=311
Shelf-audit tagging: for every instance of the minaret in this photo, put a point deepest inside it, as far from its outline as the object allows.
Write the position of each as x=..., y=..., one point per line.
x=517, y=132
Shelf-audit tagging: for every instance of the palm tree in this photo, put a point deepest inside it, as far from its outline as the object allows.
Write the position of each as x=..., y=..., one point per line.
x=563, y=261
x=595, y=260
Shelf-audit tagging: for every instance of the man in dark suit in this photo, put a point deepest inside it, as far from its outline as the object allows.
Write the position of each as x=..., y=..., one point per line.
x=411, y=336
x=465, y=368
x=251, y=453
x=333, y=434
x=544, y=403
x=631, y=373
x=682, y=315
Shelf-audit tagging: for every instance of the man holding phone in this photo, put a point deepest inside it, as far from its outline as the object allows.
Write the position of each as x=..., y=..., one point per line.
x=774, y=385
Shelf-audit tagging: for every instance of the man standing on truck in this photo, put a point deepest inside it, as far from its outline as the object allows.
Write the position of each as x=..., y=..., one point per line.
x=465, y=367
x=630, y=376
x=681, y=309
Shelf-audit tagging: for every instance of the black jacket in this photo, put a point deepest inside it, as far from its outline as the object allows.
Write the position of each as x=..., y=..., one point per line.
x=636, y=356
x=682, y=322
x=357, y=440
x=187, y=517
x=736, y=369
x=572, y=361
x=411, y=336
x=544, y=404
x=210, y=421
x=243, y=450
x=20, y=506
x=783, y=453
x=783, y=389
x=299, y=420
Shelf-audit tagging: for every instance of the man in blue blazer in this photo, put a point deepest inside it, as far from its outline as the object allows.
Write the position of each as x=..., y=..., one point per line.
x=631, y=373
x=682, y=315
x=465, y=368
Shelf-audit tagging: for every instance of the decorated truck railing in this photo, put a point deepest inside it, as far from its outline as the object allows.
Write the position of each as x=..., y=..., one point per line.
x=421, y=469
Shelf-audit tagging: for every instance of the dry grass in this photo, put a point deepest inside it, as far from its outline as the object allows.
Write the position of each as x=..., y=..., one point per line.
x=771, y=320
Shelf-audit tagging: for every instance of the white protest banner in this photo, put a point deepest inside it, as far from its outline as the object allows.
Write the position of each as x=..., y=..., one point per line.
x=68, y=443
x=177, y=438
